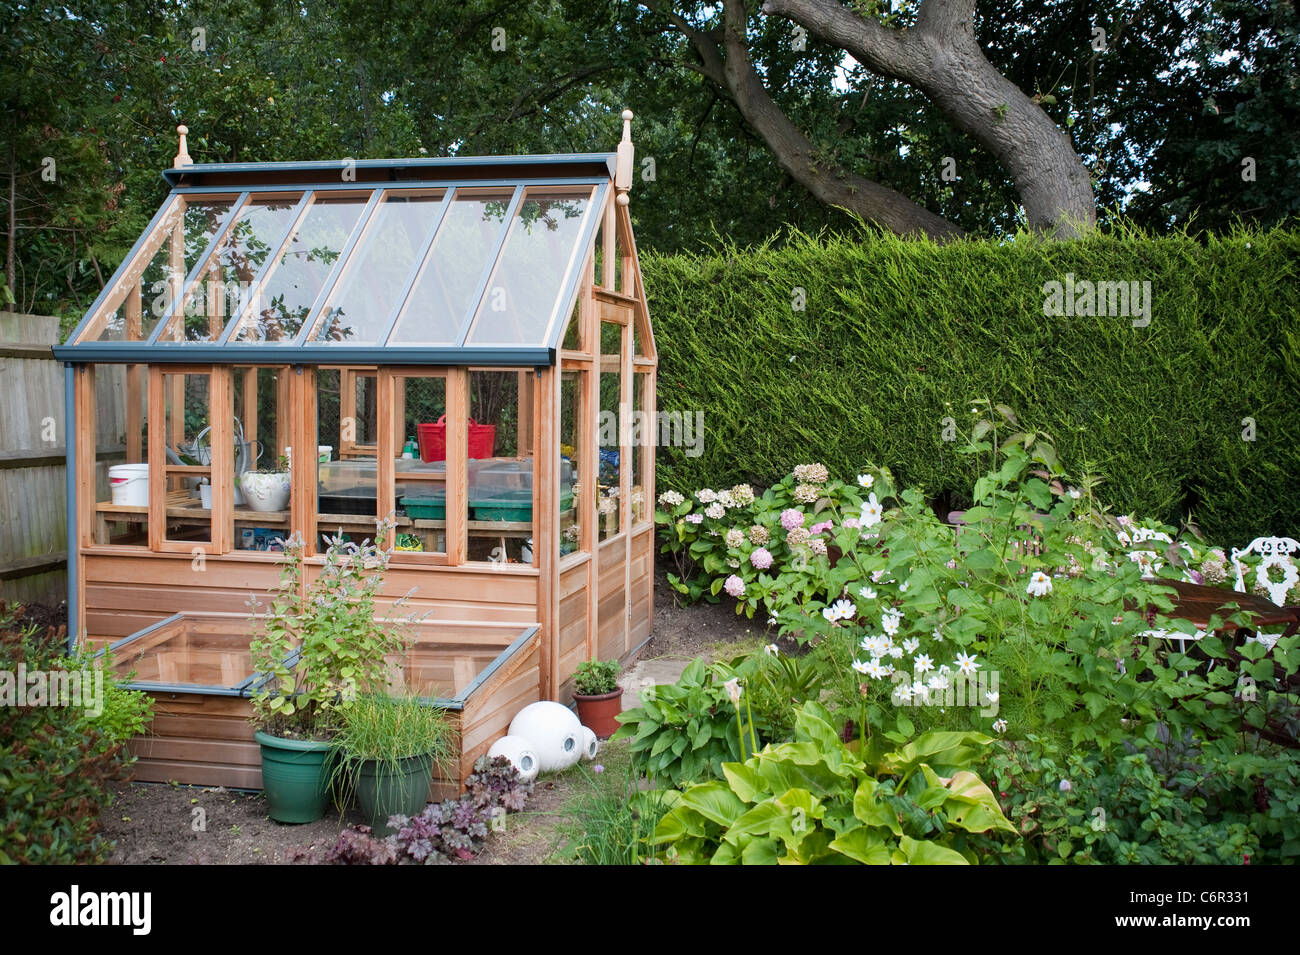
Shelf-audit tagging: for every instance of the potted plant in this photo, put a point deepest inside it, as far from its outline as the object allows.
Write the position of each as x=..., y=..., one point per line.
x=267, y=489
x=314, y=651
x=387, y=748
x=598, y=695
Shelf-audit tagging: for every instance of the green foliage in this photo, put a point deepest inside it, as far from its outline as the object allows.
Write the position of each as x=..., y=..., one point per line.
x=817, y=800
x=684, y=731
x=126, y=713
x=376, y=728
x=595, y=677
x=1180, y=802
x=318, y=651
x=57, y=763
x=896, y=335
x=614, y=821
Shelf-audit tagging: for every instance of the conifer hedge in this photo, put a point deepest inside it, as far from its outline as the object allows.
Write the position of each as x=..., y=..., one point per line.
x=896, y=335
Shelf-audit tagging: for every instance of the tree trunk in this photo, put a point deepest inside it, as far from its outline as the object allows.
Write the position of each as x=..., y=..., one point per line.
x=941, y=57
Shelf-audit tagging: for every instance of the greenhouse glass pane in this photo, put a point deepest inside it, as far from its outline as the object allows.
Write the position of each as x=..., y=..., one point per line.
x=226, y=280
x=287, y=294
x=378, y=271
x=522, y=295
x=148, y=287
x=434, y=313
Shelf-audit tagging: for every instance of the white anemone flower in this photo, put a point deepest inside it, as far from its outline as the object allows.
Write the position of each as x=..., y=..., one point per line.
x=999, y=726
x=859, y=666
x=911, y=644
x=889, y=621
x=867, y=593
x=1040, y=585
x=845, y=609
x=772, y=650
x=966, y=663
x=922, y=662
x=866, y=480
x=872, y=512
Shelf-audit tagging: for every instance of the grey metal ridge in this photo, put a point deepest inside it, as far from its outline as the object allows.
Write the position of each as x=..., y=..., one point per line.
x=335, y=166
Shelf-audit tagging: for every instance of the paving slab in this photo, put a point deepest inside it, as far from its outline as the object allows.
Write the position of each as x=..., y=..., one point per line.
x=648, y=673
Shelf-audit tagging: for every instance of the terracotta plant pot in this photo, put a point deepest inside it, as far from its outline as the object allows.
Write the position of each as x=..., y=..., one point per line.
x=598, y=712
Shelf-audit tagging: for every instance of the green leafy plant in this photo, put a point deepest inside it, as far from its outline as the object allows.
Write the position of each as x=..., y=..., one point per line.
x=125, y=713
x=596, y=677
x=684, y=731
x=1180, y=801
x=58, y=762
x=819, y=800
x=320, y=650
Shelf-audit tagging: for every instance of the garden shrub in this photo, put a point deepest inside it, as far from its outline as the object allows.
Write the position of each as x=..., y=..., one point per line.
x=1115, y=746
x=58, y=763
x=1183, y=801
x=897, y=334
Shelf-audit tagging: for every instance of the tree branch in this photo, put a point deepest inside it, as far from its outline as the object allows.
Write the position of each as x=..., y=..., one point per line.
x=724, y=58
x=942, y=58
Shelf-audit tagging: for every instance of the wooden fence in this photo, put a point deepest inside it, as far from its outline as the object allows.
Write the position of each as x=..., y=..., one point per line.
x=33, y=506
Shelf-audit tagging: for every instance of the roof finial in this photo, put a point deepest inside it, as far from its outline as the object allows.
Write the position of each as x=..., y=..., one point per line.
x=623, y=169
x=182, y=154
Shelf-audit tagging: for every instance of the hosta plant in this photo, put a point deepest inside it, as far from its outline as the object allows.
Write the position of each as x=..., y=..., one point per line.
x=818, y=800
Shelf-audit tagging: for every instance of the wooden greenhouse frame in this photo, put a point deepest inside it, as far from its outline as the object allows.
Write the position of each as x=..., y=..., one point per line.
x=331, y=309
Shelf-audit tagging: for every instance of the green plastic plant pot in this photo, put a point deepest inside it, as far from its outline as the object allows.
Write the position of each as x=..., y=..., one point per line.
x=295, y=777
x=384, y=790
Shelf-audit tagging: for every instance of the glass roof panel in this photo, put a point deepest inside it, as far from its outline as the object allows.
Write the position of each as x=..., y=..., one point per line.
x=157, y=274
x=225, y=281
x=441, y=298
x=377, y=274
x=522, y=297
x=466, y=268
x=286, y=296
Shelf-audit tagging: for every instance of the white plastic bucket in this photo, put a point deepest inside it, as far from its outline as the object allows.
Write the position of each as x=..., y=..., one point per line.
x=129, y=484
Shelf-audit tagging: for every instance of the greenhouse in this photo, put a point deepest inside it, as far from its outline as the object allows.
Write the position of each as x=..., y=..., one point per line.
x=315, y=348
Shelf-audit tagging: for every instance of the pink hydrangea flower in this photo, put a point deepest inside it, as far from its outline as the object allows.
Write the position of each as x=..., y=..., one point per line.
x=734, y=586
x=761, y=558
x=791, y=518
x=852, y=523
x=818, y=528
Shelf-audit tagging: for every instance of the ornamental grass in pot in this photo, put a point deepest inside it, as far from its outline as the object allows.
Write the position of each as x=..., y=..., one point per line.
x=386, y=749
x=598, y=695
x=314, y=652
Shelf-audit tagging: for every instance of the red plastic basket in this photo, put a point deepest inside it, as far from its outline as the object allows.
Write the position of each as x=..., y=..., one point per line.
x=433, y=440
